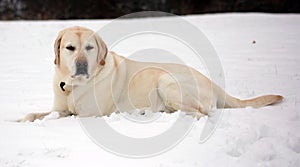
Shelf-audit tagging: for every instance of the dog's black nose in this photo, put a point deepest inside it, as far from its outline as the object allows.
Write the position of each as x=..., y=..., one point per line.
x=81, y=67
x=81, y=64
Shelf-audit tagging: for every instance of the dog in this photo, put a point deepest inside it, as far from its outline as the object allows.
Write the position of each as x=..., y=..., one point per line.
x=90, y=81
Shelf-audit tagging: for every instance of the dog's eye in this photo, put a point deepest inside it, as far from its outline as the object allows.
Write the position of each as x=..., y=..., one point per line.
x=71, y=48
x=89, y=47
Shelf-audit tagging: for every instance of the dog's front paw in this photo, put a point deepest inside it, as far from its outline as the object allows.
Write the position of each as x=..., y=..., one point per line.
x=29, y=117
x=33, y=116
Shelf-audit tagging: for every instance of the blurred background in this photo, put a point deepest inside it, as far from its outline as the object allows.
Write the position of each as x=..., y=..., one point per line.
x=92, y=9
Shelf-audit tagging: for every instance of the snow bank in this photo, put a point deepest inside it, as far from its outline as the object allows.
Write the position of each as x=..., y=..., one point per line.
x=245, y=137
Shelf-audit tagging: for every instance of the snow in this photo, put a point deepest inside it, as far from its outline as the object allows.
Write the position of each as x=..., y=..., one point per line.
x=267, y=136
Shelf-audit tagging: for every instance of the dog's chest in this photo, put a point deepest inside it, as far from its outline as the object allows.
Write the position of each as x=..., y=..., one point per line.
x=91, y=100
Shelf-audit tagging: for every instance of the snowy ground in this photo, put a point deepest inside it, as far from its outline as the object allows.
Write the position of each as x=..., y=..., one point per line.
x=267, y=136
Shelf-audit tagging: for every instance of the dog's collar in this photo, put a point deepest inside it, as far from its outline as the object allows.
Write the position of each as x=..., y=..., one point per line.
x=65, y=88
x=61, y=85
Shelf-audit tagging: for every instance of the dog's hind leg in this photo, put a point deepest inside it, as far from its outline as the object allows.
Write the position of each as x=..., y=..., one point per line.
x=178, y=93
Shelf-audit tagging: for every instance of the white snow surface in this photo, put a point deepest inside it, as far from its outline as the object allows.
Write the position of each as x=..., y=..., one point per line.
x=267, y=136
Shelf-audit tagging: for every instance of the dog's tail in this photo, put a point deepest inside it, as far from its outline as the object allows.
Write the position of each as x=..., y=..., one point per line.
x=227, y=101
x=232, y=102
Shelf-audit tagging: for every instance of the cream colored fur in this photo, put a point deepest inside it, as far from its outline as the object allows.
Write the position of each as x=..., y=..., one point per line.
x=116, y=83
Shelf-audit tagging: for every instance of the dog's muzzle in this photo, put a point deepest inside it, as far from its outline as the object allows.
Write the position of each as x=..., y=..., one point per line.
x=81, y=69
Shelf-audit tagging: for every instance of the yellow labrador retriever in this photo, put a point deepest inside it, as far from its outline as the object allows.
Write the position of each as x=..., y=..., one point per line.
x=91, y=81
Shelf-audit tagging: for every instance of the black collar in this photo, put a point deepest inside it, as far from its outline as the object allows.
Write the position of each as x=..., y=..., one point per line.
x=61, y=85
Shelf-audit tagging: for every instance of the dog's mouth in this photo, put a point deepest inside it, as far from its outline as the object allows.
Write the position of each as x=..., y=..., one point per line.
x=80, y=75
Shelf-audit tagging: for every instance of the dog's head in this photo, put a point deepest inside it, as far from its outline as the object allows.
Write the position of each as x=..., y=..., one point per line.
x=79, y=52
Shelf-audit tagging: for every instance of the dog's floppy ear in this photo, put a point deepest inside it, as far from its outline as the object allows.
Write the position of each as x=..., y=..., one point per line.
x=57, y=48
x=102, y=50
